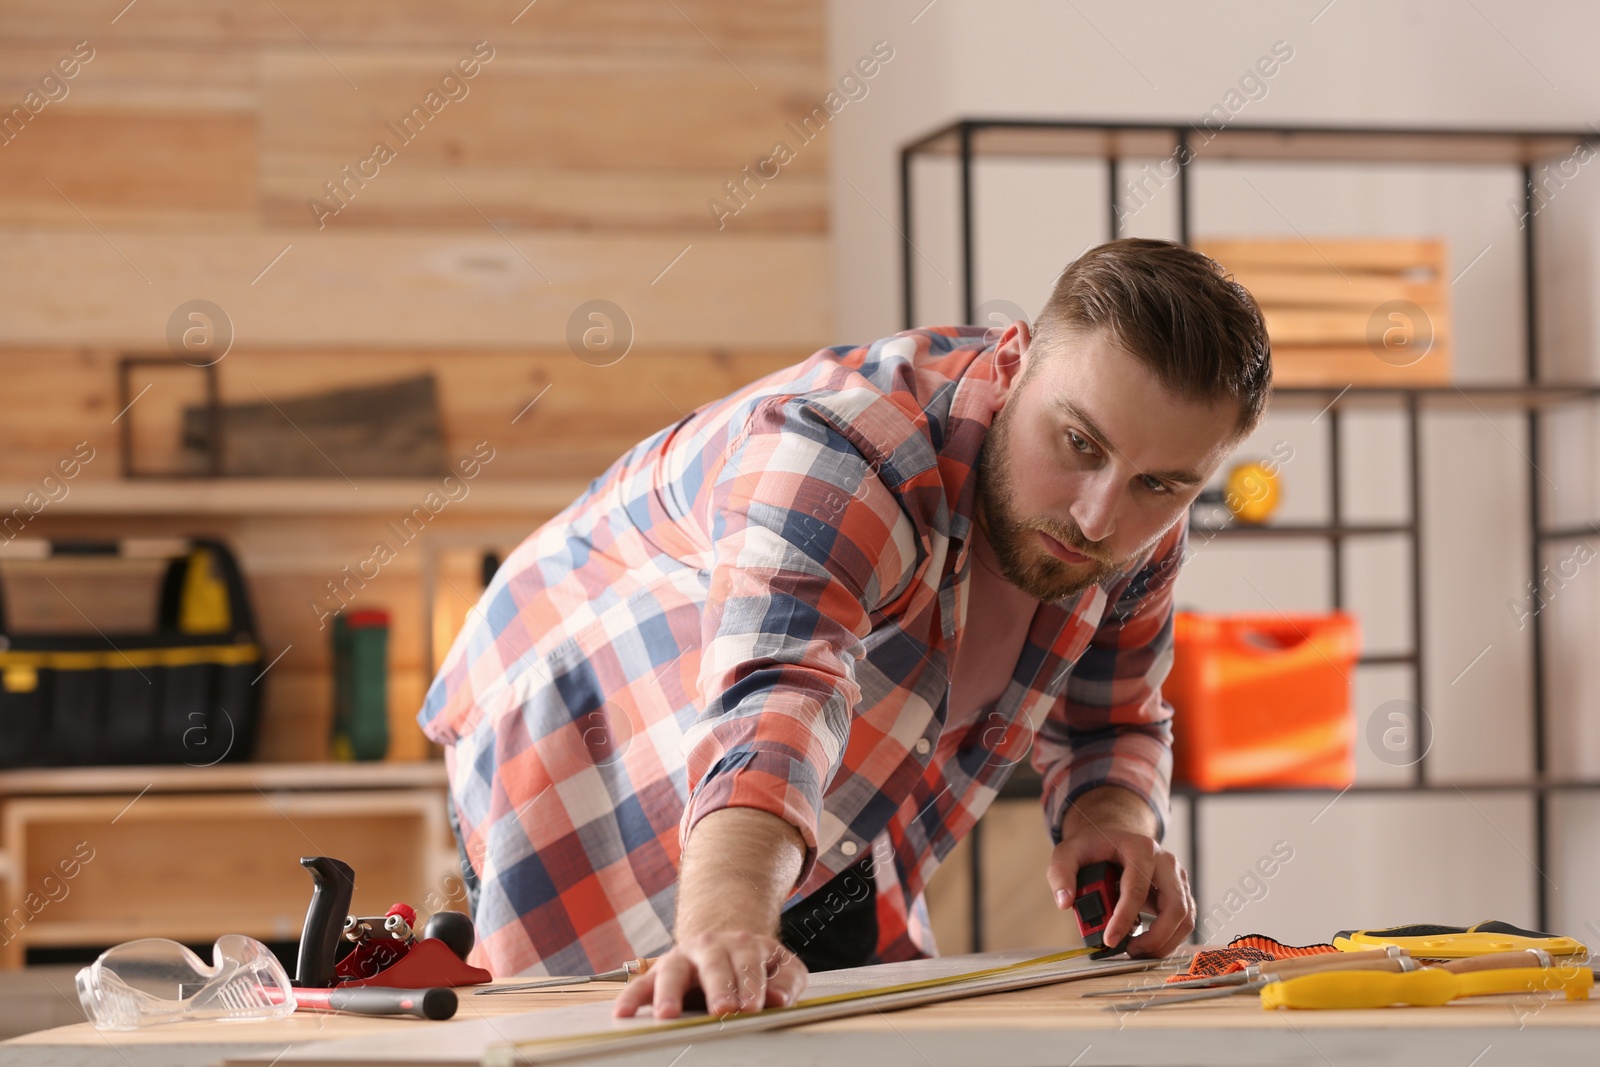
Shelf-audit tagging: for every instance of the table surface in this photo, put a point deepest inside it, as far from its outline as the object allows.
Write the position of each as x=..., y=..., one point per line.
x=1051, y=1024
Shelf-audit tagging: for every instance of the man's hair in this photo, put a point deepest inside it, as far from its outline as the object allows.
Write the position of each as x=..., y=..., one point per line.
x=1178, y=311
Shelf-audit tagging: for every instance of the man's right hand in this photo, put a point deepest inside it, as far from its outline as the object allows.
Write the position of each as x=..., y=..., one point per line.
x=736, y=970
x=738, y=867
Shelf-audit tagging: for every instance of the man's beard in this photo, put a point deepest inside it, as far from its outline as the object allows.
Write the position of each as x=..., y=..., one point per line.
x=1024, y=562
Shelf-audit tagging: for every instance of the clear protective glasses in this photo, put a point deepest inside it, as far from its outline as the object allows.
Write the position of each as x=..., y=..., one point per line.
x=154, y=980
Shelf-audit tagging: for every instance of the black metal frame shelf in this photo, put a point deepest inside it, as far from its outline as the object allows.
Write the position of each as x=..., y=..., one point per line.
x=966, y=141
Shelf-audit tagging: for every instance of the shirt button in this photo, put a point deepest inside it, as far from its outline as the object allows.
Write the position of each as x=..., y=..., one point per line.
x=923, y=746
x=848, y=848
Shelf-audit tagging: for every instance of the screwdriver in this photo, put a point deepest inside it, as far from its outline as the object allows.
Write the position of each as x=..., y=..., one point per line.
x=1272, y=970
x=1355, y=973
x=1307, y=966
x=620, y=974
x=1428, y=987
x=436, y=1003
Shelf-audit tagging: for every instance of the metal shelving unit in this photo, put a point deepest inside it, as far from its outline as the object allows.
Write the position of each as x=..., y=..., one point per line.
x=968, y=140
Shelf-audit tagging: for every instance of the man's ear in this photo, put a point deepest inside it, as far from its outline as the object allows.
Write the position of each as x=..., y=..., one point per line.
x=1011, y=353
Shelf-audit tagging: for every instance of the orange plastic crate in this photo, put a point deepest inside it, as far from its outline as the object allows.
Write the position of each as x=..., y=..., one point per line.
x=1263, y=700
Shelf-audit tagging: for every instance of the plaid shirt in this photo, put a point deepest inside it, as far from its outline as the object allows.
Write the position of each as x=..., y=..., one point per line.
x=758, y=606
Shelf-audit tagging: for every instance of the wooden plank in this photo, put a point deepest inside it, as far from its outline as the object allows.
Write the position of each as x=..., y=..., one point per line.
x=134, y=81
x=640, y=113
x=1338, y=366
x=122, y=169
x=459, y=288
x=224, y=777
x=376, y=501
x=1333, y=325
x=418, y=195
x=682, y=121
x=1280, y=287
x=1384, y=255
x=794, y=28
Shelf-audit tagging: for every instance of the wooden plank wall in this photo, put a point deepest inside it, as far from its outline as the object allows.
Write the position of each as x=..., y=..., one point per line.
x=575, y=163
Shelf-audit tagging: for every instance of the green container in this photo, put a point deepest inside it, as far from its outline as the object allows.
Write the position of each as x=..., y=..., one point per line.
x=361, y=685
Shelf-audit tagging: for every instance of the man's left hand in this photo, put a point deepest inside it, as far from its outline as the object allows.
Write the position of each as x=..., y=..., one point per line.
x=1112, y=823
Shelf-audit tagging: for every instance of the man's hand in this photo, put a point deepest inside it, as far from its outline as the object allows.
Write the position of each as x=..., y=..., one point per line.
x=738, y=868
x=737, y=970
x=1112, y=823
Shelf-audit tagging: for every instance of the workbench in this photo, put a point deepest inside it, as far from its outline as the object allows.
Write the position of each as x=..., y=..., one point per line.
x=1044, y=1025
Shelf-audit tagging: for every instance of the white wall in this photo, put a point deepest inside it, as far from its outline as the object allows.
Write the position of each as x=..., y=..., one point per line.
x=1492, y=63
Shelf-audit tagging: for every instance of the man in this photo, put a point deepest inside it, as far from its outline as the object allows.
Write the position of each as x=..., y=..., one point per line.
x=735, y=704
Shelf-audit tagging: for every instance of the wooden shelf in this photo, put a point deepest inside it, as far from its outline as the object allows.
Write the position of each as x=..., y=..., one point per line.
x=301, y=496
x=56, y=781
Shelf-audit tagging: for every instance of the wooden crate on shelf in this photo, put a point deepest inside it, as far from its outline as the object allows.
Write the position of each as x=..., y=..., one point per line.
x=91, y=857
x=1347, y=311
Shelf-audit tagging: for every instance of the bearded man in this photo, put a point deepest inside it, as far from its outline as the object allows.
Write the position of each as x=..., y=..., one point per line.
x=734, y=705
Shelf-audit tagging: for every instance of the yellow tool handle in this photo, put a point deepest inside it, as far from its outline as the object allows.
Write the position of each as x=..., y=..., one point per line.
x=638, y=966
x=1460, y=945
x=1429, y=987
x=1378, y=959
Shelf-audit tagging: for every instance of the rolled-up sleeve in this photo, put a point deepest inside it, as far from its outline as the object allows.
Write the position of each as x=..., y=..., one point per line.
x=807, y=540
x=1111, y=725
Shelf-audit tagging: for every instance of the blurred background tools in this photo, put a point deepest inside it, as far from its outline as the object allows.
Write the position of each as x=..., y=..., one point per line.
x=360, y=685
x=181, y=691
x=1457, y=942
x=620, y=974
x=1249, y=494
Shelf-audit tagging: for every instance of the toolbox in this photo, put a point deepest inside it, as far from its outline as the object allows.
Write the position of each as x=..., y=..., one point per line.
x=1263, y=700
x=184, y=691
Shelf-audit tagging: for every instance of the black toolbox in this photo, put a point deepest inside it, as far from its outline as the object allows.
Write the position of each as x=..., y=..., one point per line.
x=187, y=691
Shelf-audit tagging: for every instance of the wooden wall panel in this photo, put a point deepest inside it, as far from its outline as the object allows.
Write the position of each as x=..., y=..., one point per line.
x=121, y=168
x=577, y=167
x=74, y=287
x=792, y=28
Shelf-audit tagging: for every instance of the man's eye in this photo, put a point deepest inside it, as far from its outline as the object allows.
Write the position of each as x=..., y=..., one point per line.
x=1079, y=443
x=1154, y=485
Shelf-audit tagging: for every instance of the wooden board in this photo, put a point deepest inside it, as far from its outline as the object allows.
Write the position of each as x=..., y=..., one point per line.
x=1049, y=1024
x=382, y=430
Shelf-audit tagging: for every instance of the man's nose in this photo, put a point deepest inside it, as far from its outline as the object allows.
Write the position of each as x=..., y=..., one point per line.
x=1095, y=511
